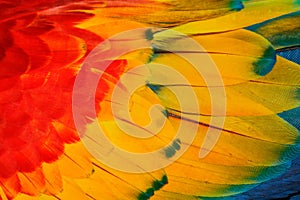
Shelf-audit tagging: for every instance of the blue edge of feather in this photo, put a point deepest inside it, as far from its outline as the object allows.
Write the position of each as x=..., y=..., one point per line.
x=287, y=186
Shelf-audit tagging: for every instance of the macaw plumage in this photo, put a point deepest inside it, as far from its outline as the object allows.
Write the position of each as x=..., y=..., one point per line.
x=53, y=52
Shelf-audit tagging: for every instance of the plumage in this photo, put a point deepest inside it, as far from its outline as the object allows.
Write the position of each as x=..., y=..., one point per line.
x=52, y=98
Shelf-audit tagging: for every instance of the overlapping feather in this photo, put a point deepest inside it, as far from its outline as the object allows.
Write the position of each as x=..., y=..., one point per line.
x=43, y=46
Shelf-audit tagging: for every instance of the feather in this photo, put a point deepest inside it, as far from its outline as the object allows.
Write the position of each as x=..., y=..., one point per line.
x=262, y=10
x=47, y=45
x=282, y=31
x=241, y=48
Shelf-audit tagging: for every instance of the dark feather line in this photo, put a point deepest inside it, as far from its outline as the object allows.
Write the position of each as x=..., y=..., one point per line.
x=288, y=48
